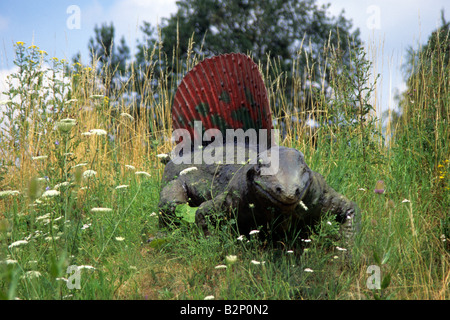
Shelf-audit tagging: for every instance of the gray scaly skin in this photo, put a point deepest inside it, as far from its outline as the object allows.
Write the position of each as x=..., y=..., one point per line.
x=293, y=198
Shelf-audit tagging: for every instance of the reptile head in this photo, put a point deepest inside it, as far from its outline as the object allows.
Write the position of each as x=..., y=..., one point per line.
x=288, y=181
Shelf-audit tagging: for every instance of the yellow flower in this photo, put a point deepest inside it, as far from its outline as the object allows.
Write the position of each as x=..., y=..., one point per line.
x=441, y=177
x=55, y=59
x=32, y=47
x=42, y=52
x=20, y=43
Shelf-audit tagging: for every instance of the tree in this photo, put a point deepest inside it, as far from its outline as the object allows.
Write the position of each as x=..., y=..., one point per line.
x=278, y=28
x=425, y=105
x=110, y=58
x=427, y=72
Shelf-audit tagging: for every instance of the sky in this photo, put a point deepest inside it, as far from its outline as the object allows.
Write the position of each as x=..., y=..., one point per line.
x=63, y=27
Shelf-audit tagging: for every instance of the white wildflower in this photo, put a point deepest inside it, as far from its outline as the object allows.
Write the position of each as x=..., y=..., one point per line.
x=86, y=267
x=240, y=238
x=253, y=232
x=341, y=249
x=44, y=217
x=51, y=194
x=4, y=194
x=9, y=261
x=231, y=259
x=142, y=173
x=70, y=101
x=329, y=223
x=153, y=214
x=361, y=189
x=257, y=262
x=97, y=96
x=62, y=184
x=101, y=210
x=290, y=251
x=303, y=205
x=87, y=133
x=209, y=298
x=163, y=156
x=187, y=170
x=405, y=201
x=65, y=125
x=80, y=165
x=120, y=238
x=129, y=167
x=306, y=240
x=50, y=238
x=89, y=174
x=17, y=243
x=85, y=226
x=127, y=115
x=31, y=275
x=251, y=205
x=122, y=186
x=220, y=266
x=98, y=132
x=39, y=157
x=308, y=270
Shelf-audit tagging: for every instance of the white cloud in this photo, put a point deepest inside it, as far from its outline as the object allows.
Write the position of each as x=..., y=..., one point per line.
x=4, y=23
x=127, y=16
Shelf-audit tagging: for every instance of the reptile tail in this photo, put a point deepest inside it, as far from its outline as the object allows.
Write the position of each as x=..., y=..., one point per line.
x=223, y=92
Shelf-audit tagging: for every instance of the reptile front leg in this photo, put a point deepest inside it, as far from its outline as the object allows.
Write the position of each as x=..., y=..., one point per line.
x=346, y=211
x=173, y=194
x=208, y=210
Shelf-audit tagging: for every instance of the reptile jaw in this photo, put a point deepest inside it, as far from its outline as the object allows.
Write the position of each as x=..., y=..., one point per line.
x=278, y=202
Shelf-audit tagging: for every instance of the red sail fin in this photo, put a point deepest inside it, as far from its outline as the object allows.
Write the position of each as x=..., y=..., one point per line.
x=223, y=92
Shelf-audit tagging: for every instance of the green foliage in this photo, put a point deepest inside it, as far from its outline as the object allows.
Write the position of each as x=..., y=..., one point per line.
x=109, y=57
x=424, y=106
x=186, y=213
x=352, y=112
x=36, y=99
x=252, y=26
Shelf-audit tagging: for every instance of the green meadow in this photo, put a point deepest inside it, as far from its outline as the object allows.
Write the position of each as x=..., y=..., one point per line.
x=80, y=180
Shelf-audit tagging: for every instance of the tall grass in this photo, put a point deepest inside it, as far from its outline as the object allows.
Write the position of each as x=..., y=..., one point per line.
x=103, y=220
